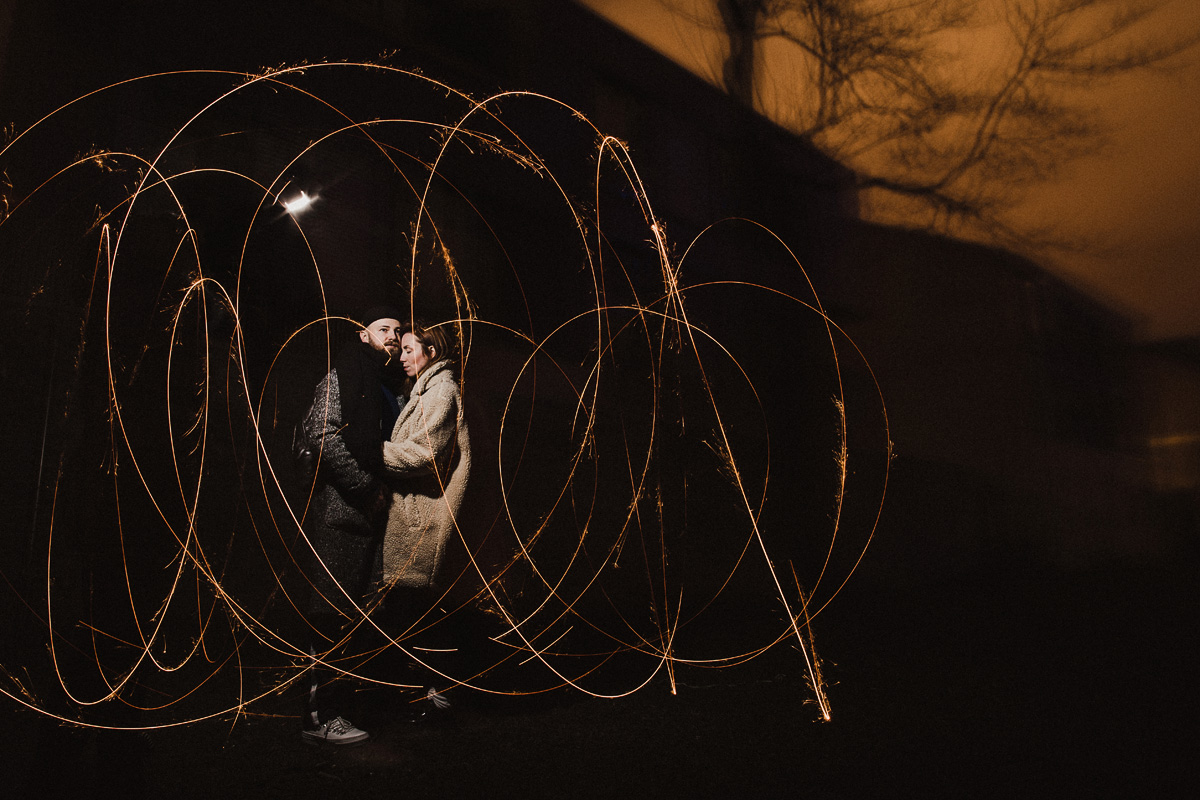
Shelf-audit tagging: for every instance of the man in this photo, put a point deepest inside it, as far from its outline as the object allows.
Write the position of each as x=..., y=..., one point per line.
x=353, y=411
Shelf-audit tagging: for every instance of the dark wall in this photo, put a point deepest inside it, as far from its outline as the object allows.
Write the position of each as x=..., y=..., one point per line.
x=1015, y=395
x=1014, y=403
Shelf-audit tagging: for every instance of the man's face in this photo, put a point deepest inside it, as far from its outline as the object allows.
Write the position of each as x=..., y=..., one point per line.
x=383, y=335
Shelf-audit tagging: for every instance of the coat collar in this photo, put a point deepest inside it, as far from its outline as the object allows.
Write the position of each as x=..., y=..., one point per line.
x=423, y=380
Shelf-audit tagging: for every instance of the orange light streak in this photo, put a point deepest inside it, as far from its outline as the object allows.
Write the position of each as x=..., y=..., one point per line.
x=589, y=437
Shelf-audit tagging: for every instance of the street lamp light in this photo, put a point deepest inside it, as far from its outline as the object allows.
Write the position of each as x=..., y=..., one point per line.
x=298, y=204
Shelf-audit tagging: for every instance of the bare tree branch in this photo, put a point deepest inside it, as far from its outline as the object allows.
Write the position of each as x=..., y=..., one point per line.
x=951, y=106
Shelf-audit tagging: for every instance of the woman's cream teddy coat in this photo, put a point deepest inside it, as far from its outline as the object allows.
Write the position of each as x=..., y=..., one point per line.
x=428, y=460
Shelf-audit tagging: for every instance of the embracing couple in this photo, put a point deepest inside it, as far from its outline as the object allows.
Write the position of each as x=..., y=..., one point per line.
x=394, y=460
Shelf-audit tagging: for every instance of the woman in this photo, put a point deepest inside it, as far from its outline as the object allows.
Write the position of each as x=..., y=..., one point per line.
x=428, y=459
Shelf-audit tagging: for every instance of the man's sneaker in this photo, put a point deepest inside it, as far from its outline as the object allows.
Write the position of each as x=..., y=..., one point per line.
x=433, y=709
x=335, y=731
x=439, y=700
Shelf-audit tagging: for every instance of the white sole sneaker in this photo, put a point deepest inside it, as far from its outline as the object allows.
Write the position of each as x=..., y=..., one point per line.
x=336, y=731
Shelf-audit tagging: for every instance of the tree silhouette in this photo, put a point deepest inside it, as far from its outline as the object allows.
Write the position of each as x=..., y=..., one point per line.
x=945, y=109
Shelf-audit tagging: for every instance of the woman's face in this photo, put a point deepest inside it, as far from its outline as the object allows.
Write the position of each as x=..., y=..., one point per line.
x=412, y=355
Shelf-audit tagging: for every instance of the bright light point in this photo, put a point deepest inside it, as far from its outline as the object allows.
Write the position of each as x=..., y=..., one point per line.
x=299, y=204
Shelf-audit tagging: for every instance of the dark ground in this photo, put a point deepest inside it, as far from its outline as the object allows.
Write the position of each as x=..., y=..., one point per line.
x=1030, y=683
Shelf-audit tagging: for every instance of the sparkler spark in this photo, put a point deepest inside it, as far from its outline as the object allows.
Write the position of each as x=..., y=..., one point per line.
x=631, y=450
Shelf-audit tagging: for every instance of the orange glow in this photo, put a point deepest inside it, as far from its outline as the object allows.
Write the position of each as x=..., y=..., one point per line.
x=1124, y=209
